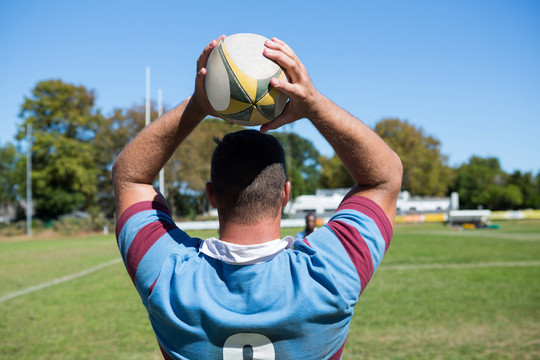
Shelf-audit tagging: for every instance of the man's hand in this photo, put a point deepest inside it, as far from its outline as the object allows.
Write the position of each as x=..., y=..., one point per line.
x=199, y=99
x=304, y=99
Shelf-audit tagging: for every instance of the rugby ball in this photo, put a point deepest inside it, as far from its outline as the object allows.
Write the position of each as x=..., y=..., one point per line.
x=238, y=81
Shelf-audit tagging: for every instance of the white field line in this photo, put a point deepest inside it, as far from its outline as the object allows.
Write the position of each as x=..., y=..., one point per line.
x=461, y=266
x=59, y=280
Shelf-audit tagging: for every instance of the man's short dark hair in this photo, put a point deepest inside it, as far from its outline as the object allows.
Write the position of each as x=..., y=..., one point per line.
x=248, y=175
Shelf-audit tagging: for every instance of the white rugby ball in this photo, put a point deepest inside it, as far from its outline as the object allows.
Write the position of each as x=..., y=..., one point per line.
x=238, y=81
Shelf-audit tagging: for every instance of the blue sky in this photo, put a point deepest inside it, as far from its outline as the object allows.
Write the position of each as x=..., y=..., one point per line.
x=466, y=72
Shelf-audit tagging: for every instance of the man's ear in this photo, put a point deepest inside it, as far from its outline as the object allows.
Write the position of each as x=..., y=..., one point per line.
x=210, y=194
x=286, y=193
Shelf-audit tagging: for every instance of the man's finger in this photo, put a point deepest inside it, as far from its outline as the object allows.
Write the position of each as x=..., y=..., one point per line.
x=203, y=59
x=285, y=61
x=289, y=65
x=199, y=78
x=280, y=45
x=274, y=124
x=281, y=120
x=284, y=86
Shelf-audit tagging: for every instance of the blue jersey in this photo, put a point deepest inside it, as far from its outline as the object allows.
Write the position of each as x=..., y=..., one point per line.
x=281, y=305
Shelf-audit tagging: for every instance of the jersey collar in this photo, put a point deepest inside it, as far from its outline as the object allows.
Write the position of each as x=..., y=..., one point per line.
x=244, y=254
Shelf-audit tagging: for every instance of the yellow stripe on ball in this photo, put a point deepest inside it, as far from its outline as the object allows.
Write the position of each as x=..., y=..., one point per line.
x=247, y=83
x=234, y=107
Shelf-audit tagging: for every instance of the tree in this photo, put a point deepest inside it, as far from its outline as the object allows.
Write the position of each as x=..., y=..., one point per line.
x=303, y=165
x=425, y=170
x=334, y=174
x=503, y=197
x=113, y=134
x=482, y=183
x=12, y=175
x=64, y=122
x=529, y=187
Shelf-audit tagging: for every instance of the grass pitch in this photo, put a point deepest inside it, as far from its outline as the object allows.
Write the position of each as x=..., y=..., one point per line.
x=438, y=294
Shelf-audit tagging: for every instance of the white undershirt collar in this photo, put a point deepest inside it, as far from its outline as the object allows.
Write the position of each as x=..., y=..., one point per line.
x=244, y=254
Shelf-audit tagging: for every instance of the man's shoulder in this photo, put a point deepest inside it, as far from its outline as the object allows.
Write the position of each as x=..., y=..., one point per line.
x=158, y=209
x=361, y=210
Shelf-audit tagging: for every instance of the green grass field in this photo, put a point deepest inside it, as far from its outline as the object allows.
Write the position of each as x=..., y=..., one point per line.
x=439, y=294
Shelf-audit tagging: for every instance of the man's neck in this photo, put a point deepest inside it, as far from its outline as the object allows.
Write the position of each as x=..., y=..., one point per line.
x=263, y=231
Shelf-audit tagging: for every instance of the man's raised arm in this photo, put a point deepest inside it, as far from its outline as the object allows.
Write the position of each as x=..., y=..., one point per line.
x=376, y=169
x=141, y=160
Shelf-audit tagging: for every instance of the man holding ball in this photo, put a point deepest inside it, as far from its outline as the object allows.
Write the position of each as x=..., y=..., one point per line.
x=249, y=294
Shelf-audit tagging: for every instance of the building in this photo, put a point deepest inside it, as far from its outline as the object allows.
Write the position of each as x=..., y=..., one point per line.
x=326, y=201
x=407, y=204
x=322, y=204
